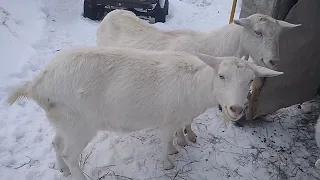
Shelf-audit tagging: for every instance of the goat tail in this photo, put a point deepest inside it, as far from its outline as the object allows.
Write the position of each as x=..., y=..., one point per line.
x=18, y=92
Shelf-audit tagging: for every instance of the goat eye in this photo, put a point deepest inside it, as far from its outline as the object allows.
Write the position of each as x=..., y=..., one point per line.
x=221, y=77
x=258, y=33
x=250, y=81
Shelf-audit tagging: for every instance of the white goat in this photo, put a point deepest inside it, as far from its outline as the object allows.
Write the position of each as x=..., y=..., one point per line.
x=256, y=36
x=87, y=89
x=317, y=136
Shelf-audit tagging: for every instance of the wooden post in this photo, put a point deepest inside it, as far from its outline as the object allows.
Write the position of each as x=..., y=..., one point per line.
x=234, y=4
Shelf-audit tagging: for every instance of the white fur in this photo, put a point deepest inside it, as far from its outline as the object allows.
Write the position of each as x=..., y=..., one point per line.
x=87, y=89
x=123, y=28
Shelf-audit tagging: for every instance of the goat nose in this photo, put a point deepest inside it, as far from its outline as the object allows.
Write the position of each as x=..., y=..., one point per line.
x=273, y=62
x=236, y=109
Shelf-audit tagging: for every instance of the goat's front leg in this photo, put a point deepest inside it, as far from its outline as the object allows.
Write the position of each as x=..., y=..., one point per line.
x=181, y=141
x=190, y=134
x=168, y=148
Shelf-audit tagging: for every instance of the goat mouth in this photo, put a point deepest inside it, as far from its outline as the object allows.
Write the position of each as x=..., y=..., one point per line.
x=274, y=64
x=227, y=113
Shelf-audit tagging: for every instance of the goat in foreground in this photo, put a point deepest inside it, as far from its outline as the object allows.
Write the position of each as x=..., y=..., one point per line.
x=87, y=89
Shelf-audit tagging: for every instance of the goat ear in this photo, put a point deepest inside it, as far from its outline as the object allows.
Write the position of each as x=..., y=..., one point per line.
x=211, y=61
x=286, y=25
x=264, y=72
x=244, y=22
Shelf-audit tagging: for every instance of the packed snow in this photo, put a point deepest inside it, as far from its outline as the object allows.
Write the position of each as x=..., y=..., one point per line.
x=281, y=146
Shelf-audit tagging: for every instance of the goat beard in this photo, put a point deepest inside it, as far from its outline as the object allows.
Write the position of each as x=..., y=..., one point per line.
x=226, y=120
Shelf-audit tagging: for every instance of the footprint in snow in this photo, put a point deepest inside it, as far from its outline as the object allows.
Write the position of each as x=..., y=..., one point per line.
x=38, y=139
x=19, y=134
x=22, y=103
x=2, y=149
x=34, y=174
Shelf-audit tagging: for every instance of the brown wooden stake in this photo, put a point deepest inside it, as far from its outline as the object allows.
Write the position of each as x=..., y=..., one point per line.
x=234, y=4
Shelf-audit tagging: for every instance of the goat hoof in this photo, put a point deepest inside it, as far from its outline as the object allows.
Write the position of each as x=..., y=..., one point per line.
x=182, y=143
x=173, y=151
x=65, y=171
x=167, y=165
x=192, y=138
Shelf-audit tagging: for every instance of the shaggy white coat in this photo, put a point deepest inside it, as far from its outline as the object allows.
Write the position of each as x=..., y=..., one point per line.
x=87, y=89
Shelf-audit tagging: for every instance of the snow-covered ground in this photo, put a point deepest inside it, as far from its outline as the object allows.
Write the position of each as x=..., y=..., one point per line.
x=31, y=31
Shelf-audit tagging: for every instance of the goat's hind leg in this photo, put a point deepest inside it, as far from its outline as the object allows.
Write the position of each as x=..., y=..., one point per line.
x=73, y=135
x=168, y=148
x=74, y=146
x=58, y=142
x=58, y=145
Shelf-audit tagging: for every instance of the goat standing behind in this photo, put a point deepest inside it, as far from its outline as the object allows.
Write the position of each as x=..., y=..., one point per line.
x=256, y=36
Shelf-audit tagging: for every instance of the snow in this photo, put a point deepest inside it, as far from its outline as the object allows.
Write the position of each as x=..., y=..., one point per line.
x=280, y=147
